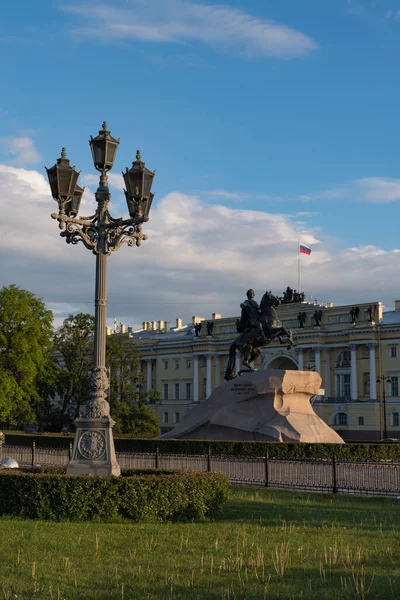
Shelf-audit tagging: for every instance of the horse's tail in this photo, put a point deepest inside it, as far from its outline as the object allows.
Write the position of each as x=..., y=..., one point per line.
x=230, y=367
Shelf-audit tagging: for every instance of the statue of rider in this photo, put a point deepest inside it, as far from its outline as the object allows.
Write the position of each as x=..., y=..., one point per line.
x=250, y=324
x=250, y=312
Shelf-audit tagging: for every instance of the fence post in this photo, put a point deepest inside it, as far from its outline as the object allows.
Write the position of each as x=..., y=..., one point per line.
x=33, y=453
x=209, y=459
x=70, y=451
x=334, y=479
x=267, y=469
x=157, y=458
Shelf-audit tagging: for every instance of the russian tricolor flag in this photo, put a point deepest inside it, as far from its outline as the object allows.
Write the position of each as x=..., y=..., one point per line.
x=304, y=249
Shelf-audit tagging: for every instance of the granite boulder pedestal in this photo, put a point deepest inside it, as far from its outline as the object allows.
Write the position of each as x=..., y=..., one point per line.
x=267, y=405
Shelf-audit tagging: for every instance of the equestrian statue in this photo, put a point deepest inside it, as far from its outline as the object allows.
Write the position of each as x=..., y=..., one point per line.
x=257, y=327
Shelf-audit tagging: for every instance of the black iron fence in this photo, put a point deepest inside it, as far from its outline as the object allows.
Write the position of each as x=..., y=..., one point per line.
x=330, y=475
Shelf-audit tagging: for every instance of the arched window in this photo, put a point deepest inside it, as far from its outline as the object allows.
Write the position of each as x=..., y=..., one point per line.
x=340, y=419
x=343, y=359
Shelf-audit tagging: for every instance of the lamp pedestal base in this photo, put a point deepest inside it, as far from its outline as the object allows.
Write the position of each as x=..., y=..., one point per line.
x=93, y=452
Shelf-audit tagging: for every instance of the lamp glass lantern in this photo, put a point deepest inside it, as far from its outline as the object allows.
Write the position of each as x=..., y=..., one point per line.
x=63, y=179
x=138, y=181
x=72, y=208
x=104, y=149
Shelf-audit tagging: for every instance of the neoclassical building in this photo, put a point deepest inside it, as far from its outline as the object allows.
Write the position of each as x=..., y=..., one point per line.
x=355, y=349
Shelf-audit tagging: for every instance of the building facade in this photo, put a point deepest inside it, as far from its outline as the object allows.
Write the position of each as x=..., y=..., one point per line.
x=355, y=349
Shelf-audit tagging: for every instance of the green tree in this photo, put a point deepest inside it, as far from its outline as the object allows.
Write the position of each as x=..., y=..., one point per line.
x=26, y=368
x=74, y=342
x=128, y=400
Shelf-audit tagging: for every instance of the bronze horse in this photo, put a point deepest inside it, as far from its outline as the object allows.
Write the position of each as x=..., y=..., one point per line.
x=252, y=339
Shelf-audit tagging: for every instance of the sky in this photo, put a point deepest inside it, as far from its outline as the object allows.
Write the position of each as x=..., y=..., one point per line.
x=267, y=121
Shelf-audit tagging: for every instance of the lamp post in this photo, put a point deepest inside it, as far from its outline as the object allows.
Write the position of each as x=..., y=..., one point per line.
x=93, y=451
x=382, y=379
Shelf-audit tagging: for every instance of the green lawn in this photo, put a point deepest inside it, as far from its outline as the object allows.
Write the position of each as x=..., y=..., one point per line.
x=267, y=544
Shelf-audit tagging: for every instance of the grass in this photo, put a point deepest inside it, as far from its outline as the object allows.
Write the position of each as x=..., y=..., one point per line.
x=267, y=545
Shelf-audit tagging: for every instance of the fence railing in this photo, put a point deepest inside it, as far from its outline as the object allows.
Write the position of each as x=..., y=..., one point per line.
x=330, y=475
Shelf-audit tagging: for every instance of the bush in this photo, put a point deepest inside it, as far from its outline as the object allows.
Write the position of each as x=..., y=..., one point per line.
x=259, y=449
x=45, y=493
x=367, y=451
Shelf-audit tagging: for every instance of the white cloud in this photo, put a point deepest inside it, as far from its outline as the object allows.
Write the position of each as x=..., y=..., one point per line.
x=21, y=150
x=379, y=189
x=177, y=21
x=375, y=190
x=199, y=258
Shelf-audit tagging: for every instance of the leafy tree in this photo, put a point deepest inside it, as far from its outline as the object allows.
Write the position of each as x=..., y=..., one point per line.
x=26, y=367
x=128, y=400
x=74, y=342
x=138, y=420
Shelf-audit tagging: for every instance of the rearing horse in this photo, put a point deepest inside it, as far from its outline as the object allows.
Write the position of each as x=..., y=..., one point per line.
x=253, y=338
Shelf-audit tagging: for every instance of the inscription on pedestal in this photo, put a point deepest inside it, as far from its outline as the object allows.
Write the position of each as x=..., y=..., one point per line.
x=244, y=388
x=92, y=445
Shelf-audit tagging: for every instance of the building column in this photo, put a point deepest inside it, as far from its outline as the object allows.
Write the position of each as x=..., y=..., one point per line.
x=353, y=372
x=217, y=371
x=300, y=361
x=372, y=370
x=195, y=378
x=209, y=376
x=317, y=358
x=327, y=382
x=237, y=363
x=149, y=375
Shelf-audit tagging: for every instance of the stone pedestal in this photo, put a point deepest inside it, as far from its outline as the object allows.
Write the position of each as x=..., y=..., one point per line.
x=93, y=452
x=270, y=406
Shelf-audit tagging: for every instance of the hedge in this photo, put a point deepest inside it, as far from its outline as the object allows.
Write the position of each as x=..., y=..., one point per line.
x=367, y=451
x=137, y=495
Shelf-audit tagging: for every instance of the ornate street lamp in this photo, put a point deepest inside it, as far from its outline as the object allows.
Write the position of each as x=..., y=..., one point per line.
x=93, y=451
x=63, y=183
x=138, y=182
x=382, y=379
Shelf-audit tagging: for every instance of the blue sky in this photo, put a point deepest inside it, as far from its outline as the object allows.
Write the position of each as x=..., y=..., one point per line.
x=282, y=107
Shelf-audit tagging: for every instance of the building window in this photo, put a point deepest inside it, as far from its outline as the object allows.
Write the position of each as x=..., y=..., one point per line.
x=165, y=417
x=366, y=384
x=165, y=365
x=176, y=417
x=365, y=352
x=204, y=361
x=205, y=386
x=188, y=364
x=343, y=359
x=395, y=419
x=176, y=391
x=393, y=351
x=165, y=391
x=188, y=390
x=346, y=385
x=342, y=385
x=312, y=354
x=394, y=386
x=361, y=420
x=341, y=419
x=177, y=363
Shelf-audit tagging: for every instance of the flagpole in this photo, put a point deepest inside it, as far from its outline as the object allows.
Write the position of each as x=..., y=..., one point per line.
x=298, y=267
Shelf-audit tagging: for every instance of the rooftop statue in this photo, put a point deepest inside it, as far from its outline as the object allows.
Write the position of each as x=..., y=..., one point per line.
x=290, y=295
x=257, y=327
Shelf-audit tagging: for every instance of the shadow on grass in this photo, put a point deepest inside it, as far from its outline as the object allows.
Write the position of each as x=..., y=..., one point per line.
x=269, y=507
